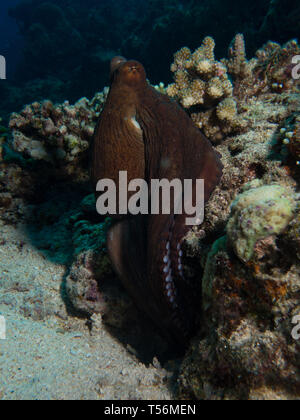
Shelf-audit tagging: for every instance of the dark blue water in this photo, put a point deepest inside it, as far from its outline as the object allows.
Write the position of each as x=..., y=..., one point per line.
x=8, y=26
x=10, y=40
x=61, y=48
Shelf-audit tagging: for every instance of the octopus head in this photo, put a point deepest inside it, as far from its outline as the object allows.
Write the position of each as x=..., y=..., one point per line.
x=129, y=72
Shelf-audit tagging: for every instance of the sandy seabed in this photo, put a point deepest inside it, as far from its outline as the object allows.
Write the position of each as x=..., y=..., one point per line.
x=49, y=354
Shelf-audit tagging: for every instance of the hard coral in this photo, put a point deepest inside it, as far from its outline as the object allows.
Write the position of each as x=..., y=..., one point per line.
x=217, y=93
x=292, y=139
x=202, y=81
x=246, y=351
x=47, y=143
x=274, y=67
x=241, y=70
x=58, y=135
x=287, y=142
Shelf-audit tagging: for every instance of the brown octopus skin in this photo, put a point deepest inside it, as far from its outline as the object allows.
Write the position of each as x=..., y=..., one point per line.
x=146, y=134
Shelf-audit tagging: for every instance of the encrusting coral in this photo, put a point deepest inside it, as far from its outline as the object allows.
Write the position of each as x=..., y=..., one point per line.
x=247, y=351
x=256, y=214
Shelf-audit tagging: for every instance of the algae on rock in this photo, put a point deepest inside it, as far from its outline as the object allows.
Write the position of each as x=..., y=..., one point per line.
x=257, y=214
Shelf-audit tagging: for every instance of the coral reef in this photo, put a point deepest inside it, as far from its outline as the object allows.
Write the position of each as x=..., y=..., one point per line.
x=294, y=140
x=251, y=286
x=3, y=137
x=201, y=80
x=257, y=214
x=45, y=144
x=247, y=351
x=288, y=140
x=274, y=66
x=57, y=134
x=241, y=70
x=91, y=266
x=216, y=104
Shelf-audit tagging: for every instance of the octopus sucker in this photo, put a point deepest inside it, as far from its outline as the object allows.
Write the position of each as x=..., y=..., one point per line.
x=144, y=133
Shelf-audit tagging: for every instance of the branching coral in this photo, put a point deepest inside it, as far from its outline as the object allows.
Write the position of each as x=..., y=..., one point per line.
x=216, y=92
x=269, y=72
x=237, y=63
x=200, y=80
x=56, y=134
x=240, y=69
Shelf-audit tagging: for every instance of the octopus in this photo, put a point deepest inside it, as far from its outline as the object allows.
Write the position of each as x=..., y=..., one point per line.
x=143, y=132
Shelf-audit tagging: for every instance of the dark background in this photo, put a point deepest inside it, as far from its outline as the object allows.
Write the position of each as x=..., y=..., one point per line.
x=60, y=49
